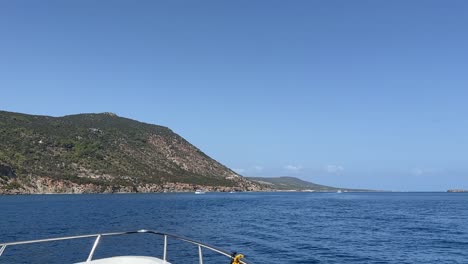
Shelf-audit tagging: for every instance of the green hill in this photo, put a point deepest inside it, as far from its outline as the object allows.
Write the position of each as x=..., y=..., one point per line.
x=292, y=183
x=102, y=153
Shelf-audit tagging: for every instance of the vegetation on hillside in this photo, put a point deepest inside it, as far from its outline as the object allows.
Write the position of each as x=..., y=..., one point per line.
x=102, y=149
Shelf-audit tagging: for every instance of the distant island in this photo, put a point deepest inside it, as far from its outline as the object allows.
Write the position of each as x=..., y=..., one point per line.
x=105, y=153
x=456, y=190
x=287, y=183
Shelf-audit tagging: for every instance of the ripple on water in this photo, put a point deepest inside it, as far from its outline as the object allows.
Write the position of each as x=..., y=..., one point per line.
x=291, y=227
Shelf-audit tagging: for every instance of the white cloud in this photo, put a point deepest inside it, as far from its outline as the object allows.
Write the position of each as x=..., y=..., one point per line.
x=419, y=171
x=258, y=168
x=240, y=171
x=293, y=168
x=249, y=171
x=334, y=169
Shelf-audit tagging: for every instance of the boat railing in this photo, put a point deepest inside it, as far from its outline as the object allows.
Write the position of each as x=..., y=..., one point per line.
x=166, y=236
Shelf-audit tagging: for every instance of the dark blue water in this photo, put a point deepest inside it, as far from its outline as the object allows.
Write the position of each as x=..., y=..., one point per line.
x=267, y=227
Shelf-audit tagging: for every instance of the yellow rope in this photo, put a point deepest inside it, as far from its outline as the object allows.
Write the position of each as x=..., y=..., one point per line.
x=236, y=259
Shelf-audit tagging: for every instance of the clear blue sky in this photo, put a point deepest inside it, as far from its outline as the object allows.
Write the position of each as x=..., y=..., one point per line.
x=369, y=94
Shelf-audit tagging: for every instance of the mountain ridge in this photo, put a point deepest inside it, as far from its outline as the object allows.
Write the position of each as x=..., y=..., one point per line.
x=103, y=153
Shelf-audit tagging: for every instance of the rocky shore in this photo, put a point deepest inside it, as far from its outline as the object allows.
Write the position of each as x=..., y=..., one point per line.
x=45, y=185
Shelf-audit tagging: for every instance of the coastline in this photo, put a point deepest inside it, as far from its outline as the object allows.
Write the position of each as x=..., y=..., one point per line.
x=45, y=185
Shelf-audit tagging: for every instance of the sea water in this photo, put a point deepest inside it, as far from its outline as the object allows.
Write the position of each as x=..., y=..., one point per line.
x=266, y=227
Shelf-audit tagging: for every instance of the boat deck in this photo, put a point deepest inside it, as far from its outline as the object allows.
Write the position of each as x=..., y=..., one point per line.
x=235, y=258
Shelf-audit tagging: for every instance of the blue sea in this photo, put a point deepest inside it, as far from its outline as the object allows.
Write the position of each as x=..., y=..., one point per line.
x=266, y=227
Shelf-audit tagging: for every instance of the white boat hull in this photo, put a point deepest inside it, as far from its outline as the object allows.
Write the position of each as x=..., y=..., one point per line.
x=127, y=260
